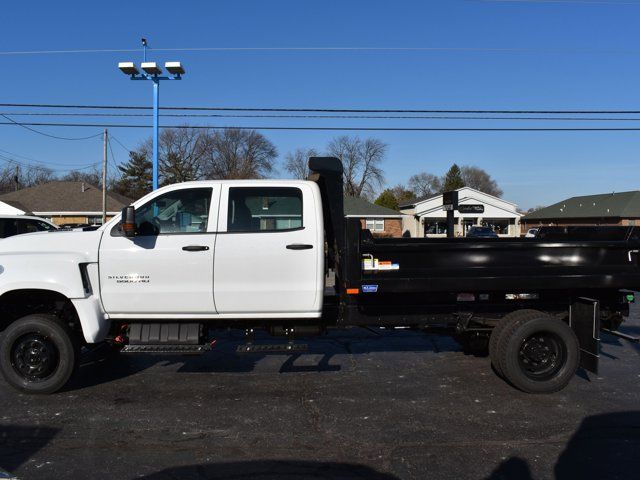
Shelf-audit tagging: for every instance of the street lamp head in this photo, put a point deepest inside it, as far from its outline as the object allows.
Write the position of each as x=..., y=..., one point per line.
x=151, y=68
x=128, y=68
x=174, y=68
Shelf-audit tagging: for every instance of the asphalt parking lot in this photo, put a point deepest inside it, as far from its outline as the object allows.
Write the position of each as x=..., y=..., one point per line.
x=360, y=404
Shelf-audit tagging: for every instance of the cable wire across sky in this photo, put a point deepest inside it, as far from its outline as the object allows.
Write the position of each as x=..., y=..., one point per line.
x=332, y=110
x=350, y=129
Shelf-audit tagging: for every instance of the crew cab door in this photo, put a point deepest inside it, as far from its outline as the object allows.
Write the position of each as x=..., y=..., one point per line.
x=167, y=268
x=269, y=251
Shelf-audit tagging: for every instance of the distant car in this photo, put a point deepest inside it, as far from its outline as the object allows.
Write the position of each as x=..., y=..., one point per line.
x=481, y=232
x=11, y=225
x=532, y=232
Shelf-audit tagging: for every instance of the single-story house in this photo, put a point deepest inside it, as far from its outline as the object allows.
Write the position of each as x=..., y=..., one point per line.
x=382, y=221
x=604, y=209
x=429, y=219
x=63, y=202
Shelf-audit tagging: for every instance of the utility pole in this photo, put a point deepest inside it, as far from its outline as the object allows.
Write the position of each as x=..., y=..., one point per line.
x=104, y=177
x=16, y=178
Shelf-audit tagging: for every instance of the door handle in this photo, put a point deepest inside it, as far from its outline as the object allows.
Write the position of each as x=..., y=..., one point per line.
x=195, y=248
x=299, y=246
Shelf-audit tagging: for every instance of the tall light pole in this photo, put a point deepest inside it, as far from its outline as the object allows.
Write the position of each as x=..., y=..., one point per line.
x=151, y=71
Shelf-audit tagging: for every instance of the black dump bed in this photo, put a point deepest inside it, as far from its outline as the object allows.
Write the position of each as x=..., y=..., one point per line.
x=593, y=258
x=560, y=259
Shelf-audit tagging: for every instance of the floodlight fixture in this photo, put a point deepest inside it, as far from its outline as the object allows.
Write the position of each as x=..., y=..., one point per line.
x=151, y=68
x=128, y=68
x=174, y=68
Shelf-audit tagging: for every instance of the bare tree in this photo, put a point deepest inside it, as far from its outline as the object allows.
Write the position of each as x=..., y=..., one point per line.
x=425, y=184
x=479, y=179
x=9, y=178
x=15, y=176
x=402, y=194
x=236, y=154
x=297, y=163
x=93, y=176
x=361, y=161
x=181, y=154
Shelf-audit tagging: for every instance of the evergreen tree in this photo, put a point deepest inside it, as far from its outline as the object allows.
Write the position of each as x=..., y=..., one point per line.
x=136, y=176
x=387, y=199
x=453, y=179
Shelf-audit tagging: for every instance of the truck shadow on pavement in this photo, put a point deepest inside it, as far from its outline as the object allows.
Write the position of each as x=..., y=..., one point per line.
x=272, y=470
x=324, y=354
x=604, y=446
x=19, y=443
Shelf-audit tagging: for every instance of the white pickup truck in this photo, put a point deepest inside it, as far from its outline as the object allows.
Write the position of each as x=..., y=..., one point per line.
x=251, y=254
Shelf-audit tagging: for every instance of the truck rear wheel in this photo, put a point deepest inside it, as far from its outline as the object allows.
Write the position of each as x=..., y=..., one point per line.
x=496, y=334
x=538, y=353
x=38, y=354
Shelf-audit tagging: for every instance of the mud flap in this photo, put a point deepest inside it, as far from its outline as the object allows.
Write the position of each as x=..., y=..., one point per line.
x=584, y=319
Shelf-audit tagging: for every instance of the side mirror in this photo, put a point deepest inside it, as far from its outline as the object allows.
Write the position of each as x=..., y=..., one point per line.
x=128, y=221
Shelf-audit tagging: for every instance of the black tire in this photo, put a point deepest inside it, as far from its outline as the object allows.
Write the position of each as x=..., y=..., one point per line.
x=496, y=334
x=538, y=353
x=38, y=354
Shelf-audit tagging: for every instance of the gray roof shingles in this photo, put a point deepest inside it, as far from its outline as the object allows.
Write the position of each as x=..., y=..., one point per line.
x=61, y=196
x=356, y=207
x=618, y=205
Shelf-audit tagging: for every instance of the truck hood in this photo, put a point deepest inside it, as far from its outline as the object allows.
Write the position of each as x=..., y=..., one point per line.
x=73, y=243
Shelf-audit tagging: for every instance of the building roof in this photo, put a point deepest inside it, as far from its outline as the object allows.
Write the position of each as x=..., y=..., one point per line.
x=63, y=197
x=359, y=207
x=18, y=205
x=619, y=205
x=416, y=201
x=495, y=207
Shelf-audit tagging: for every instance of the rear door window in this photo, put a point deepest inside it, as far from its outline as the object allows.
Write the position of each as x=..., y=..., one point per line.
x=264, y=209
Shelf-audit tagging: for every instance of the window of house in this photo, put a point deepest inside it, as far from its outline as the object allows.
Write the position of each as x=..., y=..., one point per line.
x=375, y=224
x=264, y=209
x=180, y=211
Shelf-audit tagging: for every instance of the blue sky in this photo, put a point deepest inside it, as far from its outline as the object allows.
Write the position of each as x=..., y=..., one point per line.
x=566, y=55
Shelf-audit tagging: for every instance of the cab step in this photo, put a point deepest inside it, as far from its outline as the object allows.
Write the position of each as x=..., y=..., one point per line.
x=273, y=348
x=167, y=348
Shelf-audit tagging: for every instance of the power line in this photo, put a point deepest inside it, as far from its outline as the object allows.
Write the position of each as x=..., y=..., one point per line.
x=379, y=129
x=22, y=164
x=31, y=159
x=120, y=143
x=328, y=110
x=113, y=157
x=375, y=117
x=335, y=49
x=578, y=2
x=25, y=126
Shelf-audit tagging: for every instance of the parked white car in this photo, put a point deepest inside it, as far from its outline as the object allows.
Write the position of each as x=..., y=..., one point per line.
x=11, y=225
x=532, y=233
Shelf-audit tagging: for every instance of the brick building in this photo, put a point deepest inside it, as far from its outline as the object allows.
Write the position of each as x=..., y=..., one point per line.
x=382, y=221
x=604, y=209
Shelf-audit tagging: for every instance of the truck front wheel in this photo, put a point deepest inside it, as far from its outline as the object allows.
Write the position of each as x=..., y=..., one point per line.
x=38, y=354
x=538, y=353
